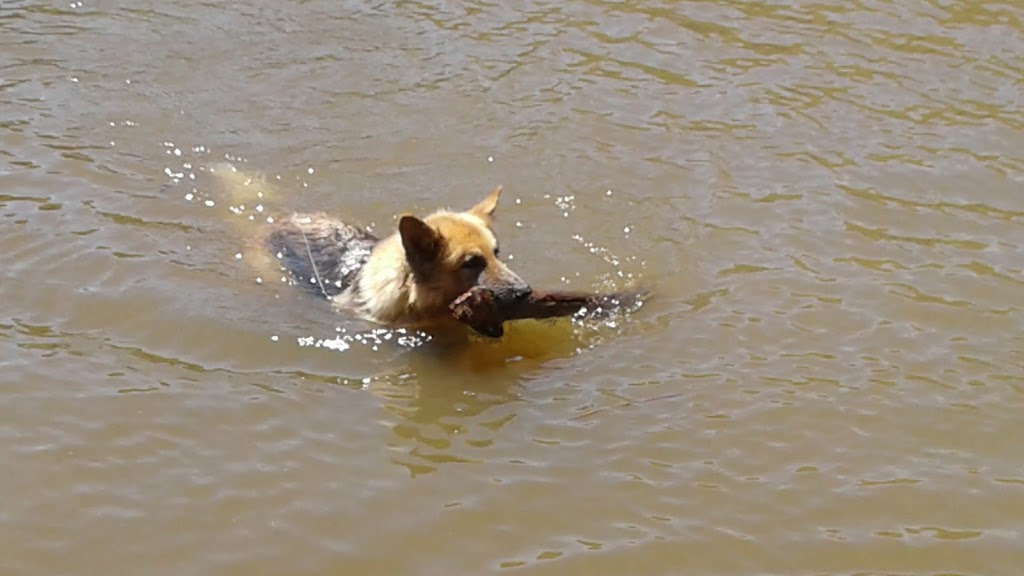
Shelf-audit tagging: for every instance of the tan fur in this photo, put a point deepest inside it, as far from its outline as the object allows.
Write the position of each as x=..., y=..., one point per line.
x=387, y=290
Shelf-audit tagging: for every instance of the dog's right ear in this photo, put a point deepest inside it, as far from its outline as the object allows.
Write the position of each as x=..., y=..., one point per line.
x=422, y=243
x=485, y=208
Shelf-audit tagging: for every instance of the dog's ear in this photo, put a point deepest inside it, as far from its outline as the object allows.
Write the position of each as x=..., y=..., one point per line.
x=422, y=243
x=485, y=208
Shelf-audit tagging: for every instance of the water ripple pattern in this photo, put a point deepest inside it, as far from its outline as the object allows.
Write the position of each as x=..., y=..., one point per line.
x=826, y=199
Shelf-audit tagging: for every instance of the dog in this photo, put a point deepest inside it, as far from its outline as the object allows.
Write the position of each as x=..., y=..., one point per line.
x=407, y=279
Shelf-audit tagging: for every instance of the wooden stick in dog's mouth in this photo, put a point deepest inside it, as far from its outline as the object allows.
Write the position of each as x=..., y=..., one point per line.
x=478, y=309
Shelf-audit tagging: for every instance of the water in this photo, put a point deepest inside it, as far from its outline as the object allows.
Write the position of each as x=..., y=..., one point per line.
x=825, y=198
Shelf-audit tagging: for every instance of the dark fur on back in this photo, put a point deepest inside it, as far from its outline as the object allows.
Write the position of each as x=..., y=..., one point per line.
x=320, y=252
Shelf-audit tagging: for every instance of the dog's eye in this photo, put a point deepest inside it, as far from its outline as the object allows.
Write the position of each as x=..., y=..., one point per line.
x=496, y=251
x=475, y=262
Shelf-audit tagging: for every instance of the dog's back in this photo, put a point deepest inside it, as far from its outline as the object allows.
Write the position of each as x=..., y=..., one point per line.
x=321, y=253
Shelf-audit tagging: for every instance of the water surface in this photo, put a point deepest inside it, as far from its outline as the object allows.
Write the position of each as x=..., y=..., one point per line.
x=825, y=197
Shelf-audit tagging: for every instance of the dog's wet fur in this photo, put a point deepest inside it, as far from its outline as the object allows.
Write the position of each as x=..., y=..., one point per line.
x=407, y=279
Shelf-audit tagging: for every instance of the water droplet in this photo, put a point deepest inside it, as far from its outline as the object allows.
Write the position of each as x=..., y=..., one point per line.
x=209, y=203
x=273, y=338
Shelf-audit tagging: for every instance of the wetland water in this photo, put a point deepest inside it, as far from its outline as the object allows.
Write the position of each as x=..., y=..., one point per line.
x=825, y=197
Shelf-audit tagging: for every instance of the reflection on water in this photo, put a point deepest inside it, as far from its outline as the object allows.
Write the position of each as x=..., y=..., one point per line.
x=824, y=197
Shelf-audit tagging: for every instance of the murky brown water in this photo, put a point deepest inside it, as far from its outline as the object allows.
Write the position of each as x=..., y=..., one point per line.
x=828, y=199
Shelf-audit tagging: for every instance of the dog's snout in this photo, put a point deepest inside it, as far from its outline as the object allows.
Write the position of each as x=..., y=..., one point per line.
x=522, y=292
x=507, y=285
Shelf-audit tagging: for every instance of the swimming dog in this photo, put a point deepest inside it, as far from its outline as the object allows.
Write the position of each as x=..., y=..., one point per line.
x=407, y=279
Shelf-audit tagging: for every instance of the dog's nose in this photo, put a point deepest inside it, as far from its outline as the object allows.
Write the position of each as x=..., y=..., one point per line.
x=522, y=293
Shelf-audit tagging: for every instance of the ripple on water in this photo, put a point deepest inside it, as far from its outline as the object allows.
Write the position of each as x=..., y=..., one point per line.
x=824, y=198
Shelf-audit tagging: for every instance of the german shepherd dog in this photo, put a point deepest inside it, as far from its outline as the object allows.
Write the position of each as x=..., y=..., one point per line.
x=407, y=279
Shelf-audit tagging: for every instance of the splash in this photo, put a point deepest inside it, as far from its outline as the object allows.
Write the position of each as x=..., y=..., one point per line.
x=372, y=340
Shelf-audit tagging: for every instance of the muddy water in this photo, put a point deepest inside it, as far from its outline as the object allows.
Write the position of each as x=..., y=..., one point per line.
x=828, y=200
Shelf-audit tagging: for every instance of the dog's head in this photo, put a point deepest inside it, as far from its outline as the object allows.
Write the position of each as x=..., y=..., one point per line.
x=451, y=252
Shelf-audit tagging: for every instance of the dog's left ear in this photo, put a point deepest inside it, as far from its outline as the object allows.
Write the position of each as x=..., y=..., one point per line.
x=485, y=208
